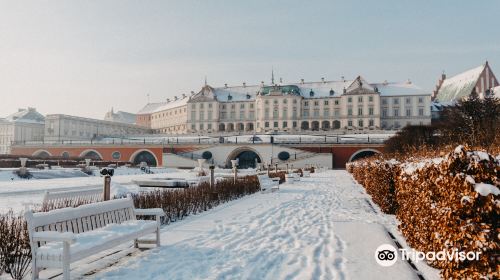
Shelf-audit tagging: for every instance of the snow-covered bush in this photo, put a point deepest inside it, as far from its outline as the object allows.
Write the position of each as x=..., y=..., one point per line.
x=445, y=203
x=15, y=251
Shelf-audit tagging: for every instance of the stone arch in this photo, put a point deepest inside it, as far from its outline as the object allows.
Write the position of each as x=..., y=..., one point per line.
x=92, y=154
x=238, y=153
x=363, y=153
x=304, y=125
x=325, y=125
x=249, y=127
x=240, y=127
x=144, y=155
x=336, y=125
x=230, y=127
x=42, y=154
x=222, y=127
x=315, y=125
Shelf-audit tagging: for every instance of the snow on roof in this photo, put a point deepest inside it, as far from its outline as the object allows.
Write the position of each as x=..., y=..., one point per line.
x=29, y=115
x=172, y=104
x=496, y=91
x=237, y=93
x=120, y=116
x=399, y=89
x=322, y=89
x=460, y=85
x=150, y=108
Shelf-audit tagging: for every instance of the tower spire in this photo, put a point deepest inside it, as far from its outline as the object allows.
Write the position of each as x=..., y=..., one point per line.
x=205, y=80
x=272, y=75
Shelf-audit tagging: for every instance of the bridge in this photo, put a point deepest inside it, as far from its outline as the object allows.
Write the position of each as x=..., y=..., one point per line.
x=332, y=152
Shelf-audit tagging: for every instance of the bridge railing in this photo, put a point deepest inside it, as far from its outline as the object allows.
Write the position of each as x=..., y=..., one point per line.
x=247, y=139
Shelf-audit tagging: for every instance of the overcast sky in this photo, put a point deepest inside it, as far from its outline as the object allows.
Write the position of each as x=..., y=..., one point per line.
x=83, y=57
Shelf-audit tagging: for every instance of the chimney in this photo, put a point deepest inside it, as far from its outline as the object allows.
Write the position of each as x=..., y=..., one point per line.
x=244, y=84
x=262, y=83
x=168, y=100
x=408, y=81
x=323, y=79
x=192, y=92
x=302, y=81
x=175, y=97
x=20, y=109
x=342, y=78
x=225, y=85
x=183, y=95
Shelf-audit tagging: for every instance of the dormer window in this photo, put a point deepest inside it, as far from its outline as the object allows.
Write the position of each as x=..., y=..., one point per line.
x=248, y=96
x=345, y=90
x=229, y=97
x=332, y=92
x=311, y=93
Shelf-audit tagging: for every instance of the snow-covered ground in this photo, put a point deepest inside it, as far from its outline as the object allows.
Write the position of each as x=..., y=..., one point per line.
x=321, y=228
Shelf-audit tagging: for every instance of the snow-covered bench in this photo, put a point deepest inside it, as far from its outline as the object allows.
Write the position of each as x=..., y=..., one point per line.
x=71, y=198
x=267, y=183
x=62, y=236
x=306, y=173
x=292, y=177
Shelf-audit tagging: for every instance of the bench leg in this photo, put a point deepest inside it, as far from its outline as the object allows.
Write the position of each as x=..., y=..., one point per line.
x=66, y=261
x=136, y=243
x=158, y=223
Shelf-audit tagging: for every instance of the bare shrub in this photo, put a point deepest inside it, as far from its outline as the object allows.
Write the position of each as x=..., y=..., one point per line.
x=15, y=250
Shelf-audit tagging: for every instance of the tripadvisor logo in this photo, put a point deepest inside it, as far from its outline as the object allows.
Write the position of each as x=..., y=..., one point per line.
x=387, y=255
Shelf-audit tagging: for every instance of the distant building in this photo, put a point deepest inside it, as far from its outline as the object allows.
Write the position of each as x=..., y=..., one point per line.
x=23, y=126
x=120, y=116
x=293, y=107
x=479, y=80
x=63, y=127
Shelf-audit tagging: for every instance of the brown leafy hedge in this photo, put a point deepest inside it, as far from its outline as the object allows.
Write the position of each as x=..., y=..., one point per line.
x=439, y=207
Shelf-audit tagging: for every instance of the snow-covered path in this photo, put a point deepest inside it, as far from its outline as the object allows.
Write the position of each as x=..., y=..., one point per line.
x=320, y=228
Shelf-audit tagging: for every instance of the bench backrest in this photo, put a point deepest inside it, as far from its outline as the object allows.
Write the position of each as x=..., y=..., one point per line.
x=73, y=198
x=83, y=218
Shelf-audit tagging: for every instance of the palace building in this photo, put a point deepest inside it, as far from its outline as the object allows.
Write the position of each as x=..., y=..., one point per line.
x=292, y=107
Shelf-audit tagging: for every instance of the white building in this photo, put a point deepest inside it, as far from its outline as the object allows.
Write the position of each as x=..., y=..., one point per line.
x=23, y=126
x=63, y=127
x=120, y=116
x=293, y=107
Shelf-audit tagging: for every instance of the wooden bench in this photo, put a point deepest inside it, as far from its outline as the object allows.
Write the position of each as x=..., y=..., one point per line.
x=267, y=183
x=292, y=177
x=59, y=199
x=62, y=236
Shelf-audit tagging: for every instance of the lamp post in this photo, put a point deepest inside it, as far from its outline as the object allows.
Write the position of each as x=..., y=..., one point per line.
x=234, y=162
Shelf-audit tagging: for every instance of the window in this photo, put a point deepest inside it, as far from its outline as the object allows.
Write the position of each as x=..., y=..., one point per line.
x=193, y=127
x=294, y=124
x=285, y=114
x=242, y=115
x=285, y=101
x=337, y=112
x=266, y=124
x=233, y=106
x=275, y=114
x=349, y=123
x=420, y=111
x=266, y=102
x=285, y=124
x=193, y=106
x=420, y=100
x=326, y=102
x=370, y=99
x=209, y=105
x=295, y=101
x=360, y=123
x=384, y=112
x=201, y=126
x=370, y=111
x=349, y=111
x=275, y=124
x=223, y=106
x=251, y=115
x=201, y=106
x=408, y=100
x=209, y=126
x=306, y=103
x=266, y=113
x=294, y=113
x=360, y=111
x=408, y=112
x=209, y=115
x=396, y=101
x=316, y=103
x=232, y=115
x=396, y=112
x=242, y=106
x=306, y=113
x=202, y=115
x=360, y=99
x=371, y=123
x=193, y=115
x=336, y=102
x=275, y=101
x=349, y=100
x=115, y=155
x=384, y=101
x=251, y=105
x=326, y=113
x=223, y=115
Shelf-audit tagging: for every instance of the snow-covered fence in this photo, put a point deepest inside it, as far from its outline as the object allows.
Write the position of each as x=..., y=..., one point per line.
x=445, y=203
x=74, y=198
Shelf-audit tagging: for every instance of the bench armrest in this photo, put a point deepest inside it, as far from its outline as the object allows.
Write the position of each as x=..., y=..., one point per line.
x=54, y=236
x=150, y=212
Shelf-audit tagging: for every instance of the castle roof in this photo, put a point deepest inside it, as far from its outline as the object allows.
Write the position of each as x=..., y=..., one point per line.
x=460, y=85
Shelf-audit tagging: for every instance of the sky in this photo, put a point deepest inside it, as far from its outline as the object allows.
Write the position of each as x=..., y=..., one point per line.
x=84, y=57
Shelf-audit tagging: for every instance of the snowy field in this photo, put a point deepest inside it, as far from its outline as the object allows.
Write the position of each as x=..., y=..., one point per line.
x=323, y=227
